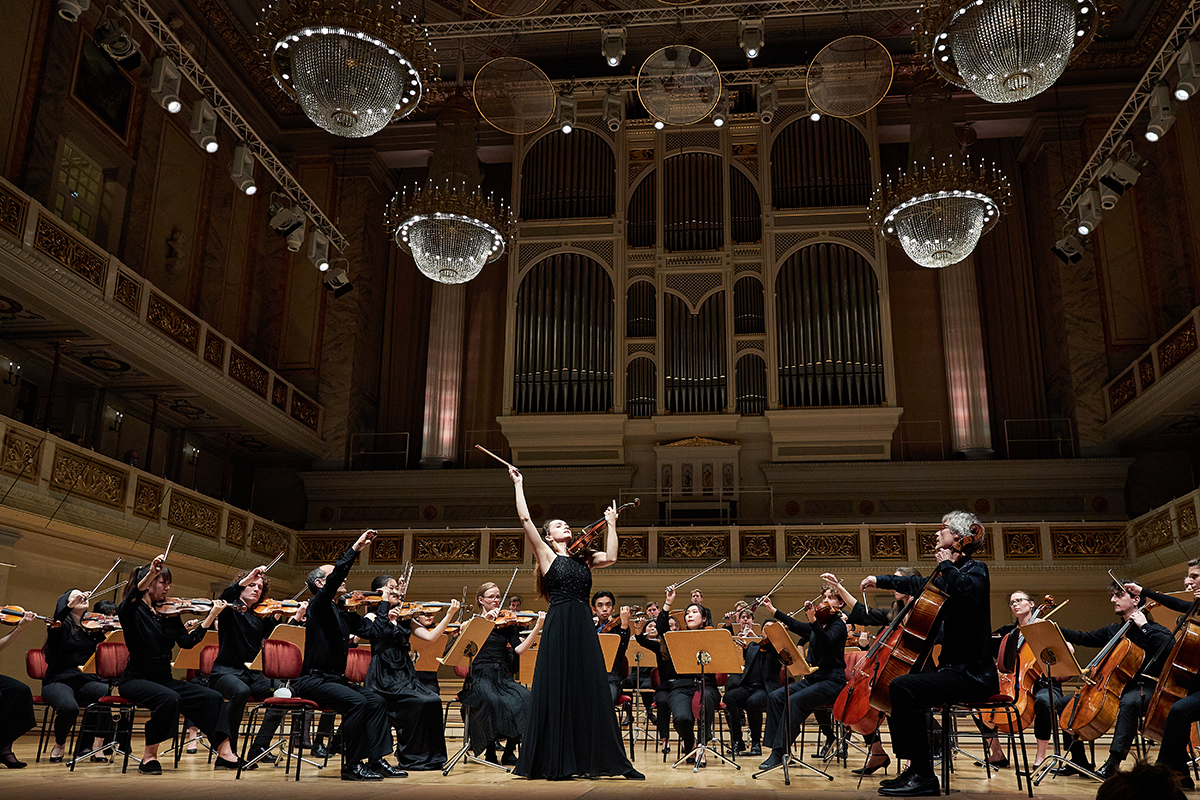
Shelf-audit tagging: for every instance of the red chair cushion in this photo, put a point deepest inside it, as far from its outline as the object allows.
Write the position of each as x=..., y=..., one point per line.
x=38, y=701
x=999, y=698
x=623, y=699
x=111, y=658
x=290, y=702
x=207, y=657
x=113, y=700
x=35, y=664
x=357, y=662
x=281, y=660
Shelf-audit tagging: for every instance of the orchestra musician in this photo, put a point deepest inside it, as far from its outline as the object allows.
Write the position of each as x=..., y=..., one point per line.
x=66, y=688
x=1172, y=750
x=16, y=704
x=683, y=684
x=151, y=638
x=746, y=694
x=603, y=604
x=826, y=652
x=966, y=672
x=650, y=639
x=365, y=734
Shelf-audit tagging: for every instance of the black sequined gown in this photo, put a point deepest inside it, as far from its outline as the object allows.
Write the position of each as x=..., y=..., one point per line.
x=572, y=728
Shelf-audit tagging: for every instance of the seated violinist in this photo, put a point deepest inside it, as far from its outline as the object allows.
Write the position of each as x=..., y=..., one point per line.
x=746, y=694
x=16, y=703
x=65, y=687
x=603, y=604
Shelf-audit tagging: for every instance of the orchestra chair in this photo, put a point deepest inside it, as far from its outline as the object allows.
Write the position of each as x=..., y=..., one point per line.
x=625, y=704
x=461, y=673
x=208, y=656
x=718, y=713
x=111, y=658
x=1001, y=703
x=35, y=668
x=281, y=660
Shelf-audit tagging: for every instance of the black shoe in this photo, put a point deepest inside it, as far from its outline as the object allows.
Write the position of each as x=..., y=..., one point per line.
x=755, y=749
x=55, y=759
x=256, y=751
x=737, y=749
x=653, y=720
x=872, y=769
x=1001, y=764
x=903, y=777
x=826, y=751
x=10, y=761
x=1186, y=782
x=335, y=744
x=319, y=751
x=509, y=759
x=99, y=759
x=221, y=763
x=633, y=775
x=1108, y=768
x=150, y=768
x=916, y=786
x=773, y=760
x=385, y=769
x=360, y=772
x=1063, y=771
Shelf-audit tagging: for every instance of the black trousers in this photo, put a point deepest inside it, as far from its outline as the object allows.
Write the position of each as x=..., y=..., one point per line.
x=1173, y=748
x=913, y=695
x=366, y=734
x=16, y=711
x=1134, y=701
x=679, y=699
x=239, y=686
x=66, y=696
x=168, y=699
x=747, y=703
x=805, y=697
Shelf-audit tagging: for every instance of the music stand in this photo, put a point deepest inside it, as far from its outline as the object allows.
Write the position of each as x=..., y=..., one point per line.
x=1051, y=650
x=711, y=649
x=425, y=653
x=609, y=644
x=793, y=659
x=462, y=653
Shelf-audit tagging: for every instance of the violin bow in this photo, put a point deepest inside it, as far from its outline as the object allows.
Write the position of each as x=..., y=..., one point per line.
x=170, y=542
x=498, y=458
x=1053, y=611
x=506, y=588
x=296, y=596
x=698, y=574
x=267, y=568
x=116, y=564
x=109, y=589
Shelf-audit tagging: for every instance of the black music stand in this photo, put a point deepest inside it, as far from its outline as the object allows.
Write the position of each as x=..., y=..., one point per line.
x=793, y=659
x=470, y=637
x=711, y=649
x=1051, y=650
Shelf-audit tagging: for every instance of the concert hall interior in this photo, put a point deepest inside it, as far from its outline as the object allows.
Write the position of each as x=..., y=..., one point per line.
x=714, y=261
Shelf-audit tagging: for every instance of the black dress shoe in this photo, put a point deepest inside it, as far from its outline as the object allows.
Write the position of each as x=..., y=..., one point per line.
x=773, y=760
x=871, y=769
x=150, y=768
x=385, y=769
x=755, y=749
x=256, y=751
x=916, y=786
x=826, y=751
x=1108, y=768
x=633, y=775
x=1186, y=782
x=737, y=748
x=360, y=772
x=319, y=751
x=903, y=777
x=55, y=759
x=221, y=763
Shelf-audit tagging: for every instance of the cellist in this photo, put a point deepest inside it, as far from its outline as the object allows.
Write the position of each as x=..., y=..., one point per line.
x=966, y=672
x=1146, y=634
x=1172, y=751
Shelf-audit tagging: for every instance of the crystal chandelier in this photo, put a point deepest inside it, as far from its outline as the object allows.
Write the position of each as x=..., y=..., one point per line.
x=449, y=228
x=940, y=208
x=1005, y=50
x=352, y=65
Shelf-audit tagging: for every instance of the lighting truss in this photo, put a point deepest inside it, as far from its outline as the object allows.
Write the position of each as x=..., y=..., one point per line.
x=166, y=39
x=1129, y=113
x=787, y=77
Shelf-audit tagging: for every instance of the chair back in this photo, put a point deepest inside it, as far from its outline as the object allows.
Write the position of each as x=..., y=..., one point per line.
x=624, y=664
x=654, y=679
x=462, y=672
x=722, y=678
x=35, y=663
x=358, y=659
x=111, y=658
x=207, y=657
x=281, y=660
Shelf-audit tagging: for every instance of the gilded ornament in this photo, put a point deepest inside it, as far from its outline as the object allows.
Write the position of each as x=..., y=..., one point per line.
x=235, y=531
x=1121, y=391
x=1153, y=533
x=1185, y=515
x=888, y=545
x=191, y=514
x=692, y=547
x=80, y=478
x=1087, y=542
x=832, y=545
x=247, y=372
x=1180, y=345
x=127, y=292
x=12, y=211
x=446, y=549
x=162, y=314
x=1022, y=543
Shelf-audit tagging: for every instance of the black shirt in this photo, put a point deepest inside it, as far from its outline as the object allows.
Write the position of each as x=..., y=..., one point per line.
x=861, y=614
x=761, y=666
x=666, y=668
x=966, y=617
x=1151, y=637
x=1166, y=601
x=241, y=631
x=495, y=649
x=826, y=645
x=151, y=638
x=328, y=629
x=68, y=647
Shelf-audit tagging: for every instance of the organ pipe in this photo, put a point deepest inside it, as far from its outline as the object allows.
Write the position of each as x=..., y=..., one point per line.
x=568, y=176
x=695, y=379
x=820, y=164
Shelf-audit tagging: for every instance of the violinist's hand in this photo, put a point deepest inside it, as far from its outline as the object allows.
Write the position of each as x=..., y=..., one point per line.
x=830, y=578
x=219, y=606
x=1133, y=589
x=255, y=574
x=765, y=602
x=394, y=613
x=863, y=639
x=610, y=514
x=495, y=612
x=670, y=595
x=1138, y=618
x=26, y=618
x=401, y=587
x=867, y=583
x=157, y=564
x=365, y=539
x=541, y=618
x=517, y=477
x=810, y=612
x=626, y=615
x=453, y=609
x=302, y=612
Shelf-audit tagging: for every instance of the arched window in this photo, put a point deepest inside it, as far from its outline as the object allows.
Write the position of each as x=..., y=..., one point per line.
x=820, y=165
x=749, y=310
x=568, y=176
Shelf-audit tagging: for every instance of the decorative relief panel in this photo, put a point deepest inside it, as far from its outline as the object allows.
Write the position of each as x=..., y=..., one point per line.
x=1146, y=371
x=927, y=537
x=826, y=545
x=235, y=531
x=505, y=548
x=147, y=499
x=13, y=209
x=756, y=546
x=442, y=549
x=1121, y=391
x=81, y=477
x=181, y=327
x=305, y=410
x=267, y=541
x=55, y=242
x=22, y=456
x=633, y=547
x=1153, y=533
x=1087, y=542
x=1022, y=543
x=705, y=546
x=321, y=549
x=192, y=514
x=1180, y=345
x=214, y=350
x=247, y=372
x=385, y=550
x=1185, y=515
x=888, y=544
x=279, y=393
x=128, y=291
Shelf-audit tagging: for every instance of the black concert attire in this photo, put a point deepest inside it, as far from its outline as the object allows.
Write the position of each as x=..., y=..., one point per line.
x=748, y=699
x=966, y=672
x=1172, y=750
x=682, y=688
x=327, y=632
x=616, y=674
x=414, y=711
x=16, y=712
x=65, y=687
x=819, y=688
x=241, y=633
x=666, y=681
x=499, y=705
x=147, y=681
x=572, y=726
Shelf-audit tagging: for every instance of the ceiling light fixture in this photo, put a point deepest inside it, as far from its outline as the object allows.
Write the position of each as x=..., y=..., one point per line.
x=1068, y=249
x=566, y=112
x=1187, y=64
x=750, y=36
x=614, y=109
x=1162, y=113
x=164, y=85
x=612, y=45
x=241, y=169
x=1088, y=210
x=204, y=126
x=318, y=250
x=72, y=10
x=721, y=112
x=114, y=36
x=768, y=102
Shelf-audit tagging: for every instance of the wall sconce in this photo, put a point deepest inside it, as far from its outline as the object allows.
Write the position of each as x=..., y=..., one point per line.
x=118, y=418
x=14, y=373
x=193, y=455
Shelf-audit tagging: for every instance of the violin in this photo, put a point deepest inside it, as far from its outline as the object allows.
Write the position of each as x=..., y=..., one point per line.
x=99, y=622
x=508, y=618
x=1018, y=684
x=614, y=621
x=12, y=615
x=583, y=541
x=174, y=606
x=269, y=608
x=416, y=609
x=352, y=600
x=824, y=609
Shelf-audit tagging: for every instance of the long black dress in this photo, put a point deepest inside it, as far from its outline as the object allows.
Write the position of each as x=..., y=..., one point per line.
x=572, y=724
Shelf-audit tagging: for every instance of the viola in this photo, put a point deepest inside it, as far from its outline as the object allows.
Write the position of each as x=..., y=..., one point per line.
x=1018, y=684
x=174, y=606
x=12, y=615
x=1178, y=674
x=583, y=541
x=416, y=609
x=100, y=622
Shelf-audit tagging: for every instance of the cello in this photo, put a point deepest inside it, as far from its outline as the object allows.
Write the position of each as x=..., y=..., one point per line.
x=1178, y=677
x=1018, y=684
x=1093, y=710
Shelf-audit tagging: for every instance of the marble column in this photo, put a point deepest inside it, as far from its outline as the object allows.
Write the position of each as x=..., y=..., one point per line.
x=966, y=370
x=443, y=375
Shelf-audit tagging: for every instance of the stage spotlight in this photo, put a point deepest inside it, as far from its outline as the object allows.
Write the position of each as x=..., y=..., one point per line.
x=1115, y=178
x=318, y=250
x=242, y=169
x=566, y=113
x=1068, y=249
x=1187, y=63
x=72, y=10
x=612, y=45
x=113, y=35
x=768, y=102
x=204, y=126
x=659, y=125
x=614, y=110
x=164, y=85
x=338, y=282
x=1088, y=209
x=1162, y=113
x=750, y=36
x=287, y=222
x=721, y=112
